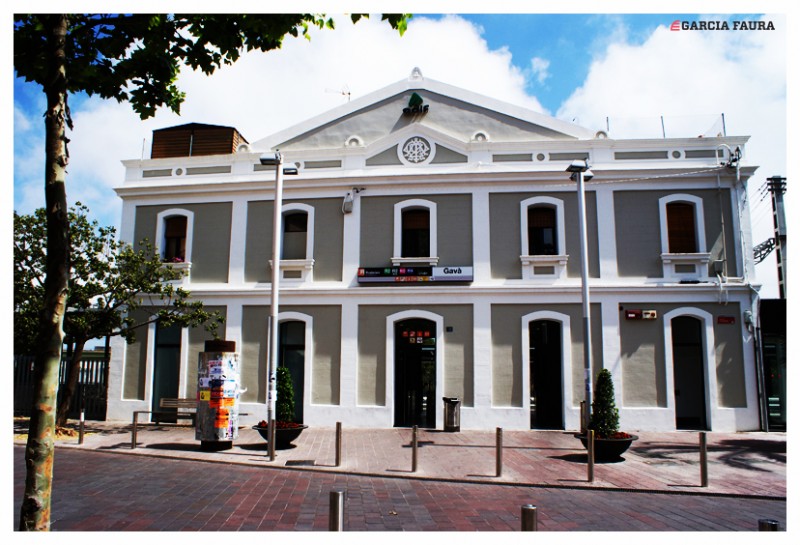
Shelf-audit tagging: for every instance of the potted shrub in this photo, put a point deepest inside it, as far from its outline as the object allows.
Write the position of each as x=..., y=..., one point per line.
x=609, y=442
x=286, y=429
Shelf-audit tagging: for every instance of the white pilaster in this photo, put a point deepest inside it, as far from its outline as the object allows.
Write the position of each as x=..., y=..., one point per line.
x=606, y=233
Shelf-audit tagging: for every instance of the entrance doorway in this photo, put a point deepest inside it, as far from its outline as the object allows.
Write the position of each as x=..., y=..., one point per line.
x=292, y=354
x=689, y=376
x=166, y=366
x=415, y=373
x=546, y=385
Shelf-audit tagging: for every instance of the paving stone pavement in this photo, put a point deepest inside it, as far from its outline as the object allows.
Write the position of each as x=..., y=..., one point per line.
x=100, y=491
x=164, y=483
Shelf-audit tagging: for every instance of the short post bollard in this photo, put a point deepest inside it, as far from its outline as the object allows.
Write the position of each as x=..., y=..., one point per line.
x=82, y=423
x=414, y=449
x=767, y=525
x=528, y=518
x=703, y=460
x=336, y=511
x=584, y=419
x=590, y=456
x=499, y=452
x=133, y=428
x=338, y=444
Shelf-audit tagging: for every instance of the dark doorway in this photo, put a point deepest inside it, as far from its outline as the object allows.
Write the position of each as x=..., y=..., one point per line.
x=690, y=383
x=167, y=366
x=292, y=354
x=545, y=375
x=415, y=373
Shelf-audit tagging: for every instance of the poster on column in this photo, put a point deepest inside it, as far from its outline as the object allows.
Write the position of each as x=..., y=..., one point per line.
x=218, y=390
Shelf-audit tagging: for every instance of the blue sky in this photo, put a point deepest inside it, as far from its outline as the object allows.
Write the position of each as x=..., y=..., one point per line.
x=626, y=67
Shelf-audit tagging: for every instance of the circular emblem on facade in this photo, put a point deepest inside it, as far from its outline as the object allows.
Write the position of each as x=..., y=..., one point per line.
x=416, y=150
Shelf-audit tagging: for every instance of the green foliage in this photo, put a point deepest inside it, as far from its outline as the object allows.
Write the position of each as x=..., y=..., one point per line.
x=108, y=281
x=605, y=416
x=284, y=403
x=137, y=57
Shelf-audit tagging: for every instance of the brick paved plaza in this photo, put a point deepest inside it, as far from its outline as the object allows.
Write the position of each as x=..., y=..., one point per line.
x=167, y=483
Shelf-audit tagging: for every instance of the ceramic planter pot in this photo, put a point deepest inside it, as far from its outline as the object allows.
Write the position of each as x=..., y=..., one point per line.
x=283, y=436
x=608, y=450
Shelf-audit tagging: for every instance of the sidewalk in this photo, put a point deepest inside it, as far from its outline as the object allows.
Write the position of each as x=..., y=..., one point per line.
x=739, y=464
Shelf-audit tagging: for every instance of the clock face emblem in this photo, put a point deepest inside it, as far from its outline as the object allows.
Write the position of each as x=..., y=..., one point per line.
x=416, y=150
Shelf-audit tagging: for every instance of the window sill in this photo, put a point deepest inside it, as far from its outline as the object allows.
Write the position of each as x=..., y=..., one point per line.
x=296, y=270
x=685, y=266
x=543, y=267
x=184, y=268
x=400, y=261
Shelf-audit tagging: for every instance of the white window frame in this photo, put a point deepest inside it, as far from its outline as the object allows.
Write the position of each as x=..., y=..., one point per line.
x=186, y=266
x=399, y=208
x=308, y=355
x=671, y=262
x=298, y=270
x=531, y=262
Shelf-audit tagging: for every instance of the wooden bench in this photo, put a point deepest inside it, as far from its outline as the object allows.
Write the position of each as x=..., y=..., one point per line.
x=185, y=408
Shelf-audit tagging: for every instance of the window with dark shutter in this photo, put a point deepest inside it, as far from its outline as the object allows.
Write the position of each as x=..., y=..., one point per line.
x=175, y=238
x=416, y=233
x=295, y=235
x=681, y=230
x=542, y=231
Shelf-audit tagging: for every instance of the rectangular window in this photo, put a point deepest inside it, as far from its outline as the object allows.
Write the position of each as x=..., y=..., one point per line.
x=542, y=231
x=680, y=228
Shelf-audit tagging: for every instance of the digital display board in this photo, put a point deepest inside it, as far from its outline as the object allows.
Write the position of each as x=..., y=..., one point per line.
x=397, y=275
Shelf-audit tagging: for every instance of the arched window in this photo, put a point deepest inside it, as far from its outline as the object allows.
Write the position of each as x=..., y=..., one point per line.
x=542, y=234
x=542, y=239
x=681, y=230
x=175, y=239
x=683, y=239
x=415, y=232
x=297, y=243
x=295, y=235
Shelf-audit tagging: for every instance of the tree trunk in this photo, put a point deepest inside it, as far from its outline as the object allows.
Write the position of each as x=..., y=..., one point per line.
x=35, y=511
x=72, y=381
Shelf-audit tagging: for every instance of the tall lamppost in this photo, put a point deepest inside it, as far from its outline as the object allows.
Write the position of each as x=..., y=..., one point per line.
x=274, y=159
x=580, y=173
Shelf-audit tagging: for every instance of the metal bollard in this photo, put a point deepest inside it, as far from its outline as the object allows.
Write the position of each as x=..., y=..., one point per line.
x=767, y=525
x=81, y=427
x=414, y=449
x=584, y=419
x=133, y=428
x=499, y=452
x=528, y=518
x=336, y=511
x=338, y=444
x=703, y=460
x=590, y=456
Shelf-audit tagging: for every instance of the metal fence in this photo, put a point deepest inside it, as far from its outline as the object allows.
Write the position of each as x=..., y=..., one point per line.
x=92, y=387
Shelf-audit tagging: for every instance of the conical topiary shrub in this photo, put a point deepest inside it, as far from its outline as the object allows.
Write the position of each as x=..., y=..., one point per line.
x=284, y=404
x=605, y=416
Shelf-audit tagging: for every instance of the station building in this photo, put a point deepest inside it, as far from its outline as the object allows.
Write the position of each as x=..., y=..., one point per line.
x=431, y=249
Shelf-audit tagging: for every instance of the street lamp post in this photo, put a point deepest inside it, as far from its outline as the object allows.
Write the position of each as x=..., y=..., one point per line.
x=580, y=172
x=276, y=159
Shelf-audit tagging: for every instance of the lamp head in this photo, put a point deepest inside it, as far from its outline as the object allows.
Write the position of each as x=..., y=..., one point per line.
x=578, y=165
x=271, y=158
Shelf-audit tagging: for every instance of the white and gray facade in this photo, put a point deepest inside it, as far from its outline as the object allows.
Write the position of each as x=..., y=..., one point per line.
x=434, y=251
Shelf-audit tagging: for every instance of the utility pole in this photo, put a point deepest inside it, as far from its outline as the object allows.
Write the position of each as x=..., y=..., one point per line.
x=777, y=187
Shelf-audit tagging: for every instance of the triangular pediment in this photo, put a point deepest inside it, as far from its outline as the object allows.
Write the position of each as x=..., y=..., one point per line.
x=459, y=115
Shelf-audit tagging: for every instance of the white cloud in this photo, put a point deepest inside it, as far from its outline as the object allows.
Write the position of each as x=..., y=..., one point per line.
x=264, y=93
x=540, y=67
x=690, y=77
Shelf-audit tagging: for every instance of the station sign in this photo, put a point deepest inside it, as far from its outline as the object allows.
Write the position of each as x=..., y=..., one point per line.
x=398, y=275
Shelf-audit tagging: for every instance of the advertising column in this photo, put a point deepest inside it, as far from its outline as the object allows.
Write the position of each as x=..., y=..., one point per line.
x=218, y=395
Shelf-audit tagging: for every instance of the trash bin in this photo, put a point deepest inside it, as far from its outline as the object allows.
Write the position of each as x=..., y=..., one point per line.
x=452, y=414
